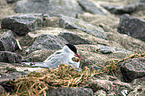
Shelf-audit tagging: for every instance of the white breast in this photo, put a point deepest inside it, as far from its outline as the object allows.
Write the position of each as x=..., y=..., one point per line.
x=62, y=56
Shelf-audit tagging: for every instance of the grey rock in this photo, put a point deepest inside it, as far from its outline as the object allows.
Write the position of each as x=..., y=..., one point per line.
x=132, y=26
x=73, y=91
x=130, y=8
x=2, y=90
x=49, y=42
x=105, y=49
x=73, y=23
x=38, y=55
x=9, y=57
x=8, y=42
x=100, y=93
x=142, y=1
x=22, y=24
x=11, y=1
x=103, y=83
x=51, y=7
x=74, y=39
x=90, y=7
x=133, y=68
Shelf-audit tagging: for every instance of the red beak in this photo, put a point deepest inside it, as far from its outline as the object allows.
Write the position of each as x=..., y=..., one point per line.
x=78, y=55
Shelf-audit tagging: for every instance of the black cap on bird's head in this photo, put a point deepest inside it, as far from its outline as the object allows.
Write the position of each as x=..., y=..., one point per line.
x=73, y=48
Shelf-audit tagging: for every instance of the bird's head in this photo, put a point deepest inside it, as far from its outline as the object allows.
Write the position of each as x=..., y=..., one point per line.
x=74, y=49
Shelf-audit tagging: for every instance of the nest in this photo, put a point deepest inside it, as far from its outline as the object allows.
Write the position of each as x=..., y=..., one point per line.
x=37, y=83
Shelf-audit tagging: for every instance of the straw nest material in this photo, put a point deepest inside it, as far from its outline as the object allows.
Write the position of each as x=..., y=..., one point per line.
x=37, y=83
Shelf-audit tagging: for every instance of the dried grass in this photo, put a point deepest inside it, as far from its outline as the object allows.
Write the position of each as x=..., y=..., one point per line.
x=37, y=83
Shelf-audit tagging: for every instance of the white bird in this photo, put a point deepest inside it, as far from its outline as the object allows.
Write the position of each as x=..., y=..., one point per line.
x=65, y=55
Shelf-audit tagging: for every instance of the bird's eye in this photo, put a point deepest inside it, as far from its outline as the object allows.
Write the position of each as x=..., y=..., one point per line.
x=75, y=59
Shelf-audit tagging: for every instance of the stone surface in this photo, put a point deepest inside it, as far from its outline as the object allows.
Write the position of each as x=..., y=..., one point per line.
x=105, y=49
x=2, y=90
x=73, y=23
x=8, y=42
x=100, y=93
x=139, y=87
x=51, y=7
x=90, y=7
x=73, y=91
x=73, y=38
x=38, y=55
x=9, y=57
x=109, y=84
x=132, y=26
x=49, y=42
x=127, y=9
x=90, y=55
x=11, y=1
x=22, y=24
x=51, y=21
x=133, y=68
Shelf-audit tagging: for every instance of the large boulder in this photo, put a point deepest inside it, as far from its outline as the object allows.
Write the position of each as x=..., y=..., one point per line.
x=132, y=26
x=51, y=7
x=73, y=38
x=73, y=23
x=49, y=42
x=9, y=57
x=90, y=7
x=22, y=24
x=133, y=68
x=74, y=91
x=127, y=9
x=8, y=42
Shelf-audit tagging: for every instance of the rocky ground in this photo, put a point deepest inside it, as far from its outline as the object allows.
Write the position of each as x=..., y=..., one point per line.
x=109, y=36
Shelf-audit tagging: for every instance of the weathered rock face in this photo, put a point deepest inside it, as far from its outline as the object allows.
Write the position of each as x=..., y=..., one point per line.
x=2, y=90
x=22, y=24
x=64, y=91
x=133, y=68
x=110, y=85
x=8, y=42
x=132, y=26
x=49, y=42
x=99, y=54
x=90, y=7
x=139, y=87
x=74, y=39
x=9, y=57
x=38, y=55
x=137, y=6
x=51, y=7
x=11, y=1
x=73, y=23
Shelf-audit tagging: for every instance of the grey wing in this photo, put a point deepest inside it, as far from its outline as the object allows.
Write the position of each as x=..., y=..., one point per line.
x=54, y=60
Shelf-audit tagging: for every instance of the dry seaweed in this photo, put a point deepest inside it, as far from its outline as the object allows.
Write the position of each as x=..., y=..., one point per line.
x=37, y=83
